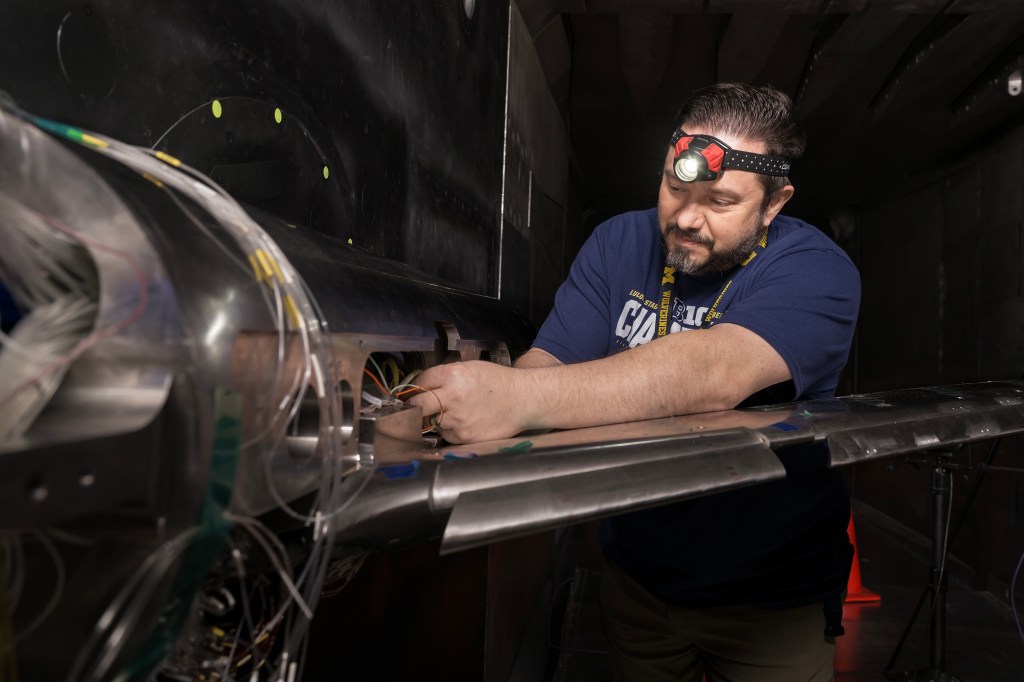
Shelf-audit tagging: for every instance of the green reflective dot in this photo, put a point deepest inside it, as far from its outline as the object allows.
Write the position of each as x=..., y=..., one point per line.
x=327, y=173
x=217, y=108
x=278, y=115
x=349, y=241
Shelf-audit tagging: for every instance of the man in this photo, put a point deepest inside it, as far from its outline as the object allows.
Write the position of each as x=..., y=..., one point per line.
x=742, y=585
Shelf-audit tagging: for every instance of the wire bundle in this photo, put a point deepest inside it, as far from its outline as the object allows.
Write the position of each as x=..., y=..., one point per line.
x=394, y=390
x=298, y=322
x=53, y=278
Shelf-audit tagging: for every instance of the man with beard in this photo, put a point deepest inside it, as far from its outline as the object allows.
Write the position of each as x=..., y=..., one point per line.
x=741, y=585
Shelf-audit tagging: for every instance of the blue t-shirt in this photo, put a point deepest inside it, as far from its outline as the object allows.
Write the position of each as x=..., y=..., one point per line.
x=777, y=544
x=800, y=294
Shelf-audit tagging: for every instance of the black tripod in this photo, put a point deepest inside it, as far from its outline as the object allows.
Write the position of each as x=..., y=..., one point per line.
x=942, y=539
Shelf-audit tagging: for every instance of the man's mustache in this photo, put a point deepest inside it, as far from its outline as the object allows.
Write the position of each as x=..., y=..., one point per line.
x=691, y=234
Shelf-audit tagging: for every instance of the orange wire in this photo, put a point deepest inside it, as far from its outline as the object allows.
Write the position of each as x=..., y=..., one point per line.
x=376, y=381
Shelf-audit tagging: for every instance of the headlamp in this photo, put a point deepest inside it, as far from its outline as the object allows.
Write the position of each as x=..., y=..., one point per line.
x=702, y=158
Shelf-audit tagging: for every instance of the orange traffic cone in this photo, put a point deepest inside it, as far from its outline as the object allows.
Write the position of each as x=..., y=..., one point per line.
x=856, y=593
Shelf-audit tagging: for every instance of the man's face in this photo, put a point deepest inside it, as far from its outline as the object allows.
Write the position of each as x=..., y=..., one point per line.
x=709, y=227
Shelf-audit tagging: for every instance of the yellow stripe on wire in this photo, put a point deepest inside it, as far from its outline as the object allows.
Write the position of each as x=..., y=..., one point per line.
x=167, y=158
x=94, y=141
x=255, y=263
x=395, y=374
x=293, y=312
x=152, y=179
x=277, y=269
x=268, y=271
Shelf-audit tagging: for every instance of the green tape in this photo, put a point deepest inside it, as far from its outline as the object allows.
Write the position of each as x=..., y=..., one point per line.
x=227, y=442
x=58, y=128
x=521, y=446
x=211, y=540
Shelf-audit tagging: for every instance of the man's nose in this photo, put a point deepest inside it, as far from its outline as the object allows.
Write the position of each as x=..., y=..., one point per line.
x=689, y=214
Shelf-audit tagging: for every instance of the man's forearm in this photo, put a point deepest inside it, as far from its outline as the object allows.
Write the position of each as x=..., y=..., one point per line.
x=699, y=371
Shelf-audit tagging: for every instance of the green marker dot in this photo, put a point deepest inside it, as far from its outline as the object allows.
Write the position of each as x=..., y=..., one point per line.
x=278, y=115
x=349, y=241
x=217, y=108
x=327, y=173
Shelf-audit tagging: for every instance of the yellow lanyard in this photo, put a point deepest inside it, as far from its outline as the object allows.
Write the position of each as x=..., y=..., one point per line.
x=668, y=280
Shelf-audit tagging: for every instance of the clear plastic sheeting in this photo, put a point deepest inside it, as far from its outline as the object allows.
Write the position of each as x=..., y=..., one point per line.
x=58, y=221
x=125, y=408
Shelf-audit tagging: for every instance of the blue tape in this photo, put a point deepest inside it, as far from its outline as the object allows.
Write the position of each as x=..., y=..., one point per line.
x=464, y=455
x=394, y=471
x=783, y=426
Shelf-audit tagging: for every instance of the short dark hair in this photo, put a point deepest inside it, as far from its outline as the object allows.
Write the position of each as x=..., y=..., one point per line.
x=758, y=112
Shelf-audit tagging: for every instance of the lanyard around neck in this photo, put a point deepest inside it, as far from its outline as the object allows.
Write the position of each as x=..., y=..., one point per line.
x=668, y=280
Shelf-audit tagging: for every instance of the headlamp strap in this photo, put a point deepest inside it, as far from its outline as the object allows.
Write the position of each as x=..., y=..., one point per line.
x=731, y=158
x=756, y=163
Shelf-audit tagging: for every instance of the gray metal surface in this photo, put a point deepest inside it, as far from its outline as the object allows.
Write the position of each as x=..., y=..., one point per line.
x=877, y=425
x=926, y=433
x=407, y=503
x=484, y=492
x=484, y=516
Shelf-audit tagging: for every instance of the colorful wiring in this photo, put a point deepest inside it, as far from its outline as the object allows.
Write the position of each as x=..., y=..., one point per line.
x=399, y=387
x=435, y=420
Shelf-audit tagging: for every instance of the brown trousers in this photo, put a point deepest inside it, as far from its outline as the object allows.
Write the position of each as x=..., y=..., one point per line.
x=651, y=641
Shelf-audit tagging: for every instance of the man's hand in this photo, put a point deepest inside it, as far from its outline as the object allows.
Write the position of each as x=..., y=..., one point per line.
x=476, y=400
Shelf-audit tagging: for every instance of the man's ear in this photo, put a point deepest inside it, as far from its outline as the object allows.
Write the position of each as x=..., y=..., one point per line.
x=778, y=200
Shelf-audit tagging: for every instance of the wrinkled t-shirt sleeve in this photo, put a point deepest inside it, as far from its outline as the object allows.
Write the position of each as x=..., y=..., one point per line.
x=805, y=306
x=577, y=328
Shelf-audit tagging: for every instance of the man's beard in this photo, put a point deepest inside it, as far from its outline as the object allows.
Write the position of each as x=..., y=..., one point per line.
x=683, y=260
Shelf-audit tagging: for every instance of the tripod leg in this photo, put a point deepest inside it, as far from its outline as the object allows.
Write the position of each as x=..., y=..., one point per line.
x=940, y=509
x=941, y=478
